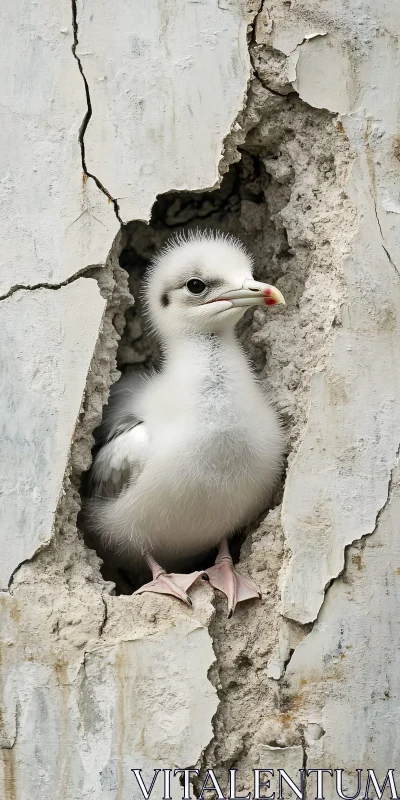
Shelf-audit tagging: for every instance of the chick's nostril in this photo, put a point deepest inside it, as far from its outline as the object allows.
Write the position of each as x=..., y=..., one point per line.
x=252, y=286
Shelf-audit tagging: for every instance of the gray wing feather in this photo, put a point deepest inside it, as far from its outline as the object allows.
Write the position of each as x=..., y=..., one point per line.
x=122, y=442
x=119, y=414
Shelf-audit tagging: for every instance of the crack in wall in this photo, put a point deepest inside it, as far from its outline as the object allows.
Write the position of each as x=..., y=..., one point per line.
x=346, y=551
x=389, y=258
x=105, y=617
x=88, y=115
x=82, y=273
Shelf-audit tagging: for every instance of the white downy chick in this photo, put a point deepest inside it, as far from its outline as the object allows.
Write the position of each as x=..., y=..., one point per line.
x=192, y=453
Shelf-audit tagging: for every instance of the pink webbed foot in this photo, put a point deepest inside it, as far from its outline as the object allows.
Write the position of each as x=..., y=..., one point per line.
x=173, y=583
x=235, y=586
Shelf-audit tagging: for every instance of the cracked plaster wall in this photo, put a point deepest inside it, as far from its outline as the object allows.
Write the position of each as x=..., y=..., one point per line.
x=102, y=113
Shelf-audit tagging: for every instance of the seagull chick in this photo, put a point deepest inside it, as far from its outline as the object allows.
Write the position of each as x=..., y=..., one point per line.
x=190, y=454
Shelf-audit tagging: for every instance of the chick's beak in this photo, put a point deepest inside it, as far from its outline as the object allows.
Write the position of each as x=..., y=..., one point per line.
x=253, y=293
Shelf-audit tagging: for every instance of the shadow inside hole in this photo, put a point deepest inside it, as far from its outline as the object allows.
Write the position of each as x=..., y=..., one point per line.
x=238, y=207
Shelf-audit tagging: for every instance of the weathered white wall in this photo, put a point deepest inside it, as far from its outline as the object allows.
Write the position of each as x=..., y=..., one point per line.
x=48, y=338
x=354, y=457
x=92, y=685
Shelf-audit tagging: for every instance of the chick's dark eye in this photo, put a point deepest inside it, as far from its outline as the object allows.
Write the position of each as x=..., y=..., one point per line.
x=195, y=286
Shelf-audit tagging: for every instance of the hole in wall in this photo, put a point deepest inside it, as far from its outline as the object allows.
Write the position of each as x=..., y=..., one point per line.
x=286, y=165
x=239, y=207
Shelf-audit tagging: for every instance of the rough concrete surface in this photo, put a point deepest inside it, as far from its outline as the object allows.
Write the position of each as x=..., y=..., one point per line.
x=94, y=684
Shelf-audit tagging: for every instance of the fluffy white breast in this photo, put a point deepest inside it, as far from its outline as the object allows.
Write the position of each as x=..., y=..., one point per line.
x=214, y=453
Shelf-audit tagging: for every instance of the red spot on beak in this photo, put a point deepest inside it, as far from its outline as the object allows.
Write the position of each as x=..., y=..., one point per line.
x=269, y=300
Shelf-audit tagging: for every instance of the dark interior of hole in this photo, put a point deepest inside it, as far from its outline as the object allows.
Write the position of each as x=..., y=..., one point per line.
x=240, y=207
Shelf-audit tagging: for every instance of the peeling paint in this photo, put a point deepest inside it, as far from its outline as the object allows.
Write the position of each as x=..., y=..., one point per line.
x=321, y=72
